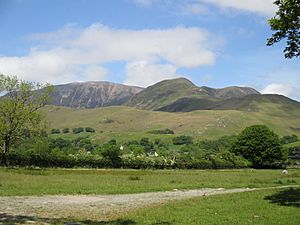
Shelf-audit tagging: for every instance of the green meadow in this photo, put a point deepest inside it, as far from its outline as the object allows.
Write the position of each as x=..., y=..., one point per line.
x=266, y=207
x=18, y=182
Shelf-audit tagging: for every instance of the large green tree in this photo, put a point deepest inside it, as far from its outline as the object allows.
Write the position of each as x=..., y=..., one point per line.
x=261, y=146
x=286, y=24
x=19, y=110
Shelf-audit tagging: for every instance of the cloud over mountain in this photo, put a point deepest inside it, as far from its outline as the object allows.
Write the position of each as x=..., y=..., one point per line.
x=82, y=54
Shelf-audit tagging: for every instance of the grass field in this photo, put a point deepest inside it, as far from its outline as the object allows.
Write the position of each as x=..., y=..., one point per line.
x=124, y=123
x=280, y=207
x=58, y=181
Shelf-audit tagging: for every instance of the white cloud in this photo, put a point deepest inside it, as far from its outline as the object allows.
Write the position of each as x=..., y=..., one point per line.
x=262, y=7
x=281, y=89
x=81, y=54
x=144, y=73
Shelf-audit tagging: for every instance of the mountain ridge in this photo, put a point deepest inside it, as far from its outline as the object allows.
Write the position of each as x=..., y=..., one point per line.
x=174, y=95
x=167, y=92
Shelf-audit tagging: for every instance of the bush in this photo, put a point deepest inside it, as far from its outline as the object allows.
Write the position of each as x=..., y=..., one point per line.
x=165, y=131
x=66, y=130
x=78, y=130
x=55, y=131
x=181, y=140
x=260, y=146
x=147, y=145
x=89, y=129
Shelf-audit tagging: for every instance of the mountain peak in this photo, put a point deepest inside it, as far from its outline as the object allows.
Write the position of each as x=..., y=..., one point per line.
x=167, y=92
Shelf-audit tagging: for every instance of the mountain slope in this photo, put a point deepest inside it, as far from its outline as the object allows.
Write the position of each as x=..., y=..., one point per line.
x=250, y=102
x=165, y=94
x=126, y=123
x=92, y=94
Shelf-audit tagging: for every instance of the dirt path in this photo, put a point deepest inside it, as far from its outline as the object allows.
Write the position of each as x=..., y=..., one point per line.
x=97, y=206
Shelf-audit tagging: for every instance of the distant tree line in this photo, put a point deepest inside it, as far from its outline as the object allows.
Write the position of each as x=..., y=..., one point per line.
x=76, y=130
x=256, y=146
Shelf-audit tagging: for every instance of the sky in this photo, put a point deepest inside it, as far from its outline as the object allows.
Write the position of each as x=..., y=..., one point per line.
x=215, y=43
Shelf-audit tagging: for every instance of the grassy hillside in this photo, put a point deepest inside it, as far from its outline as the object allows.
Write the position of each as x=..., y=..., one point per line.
x=163, y=93
x=246, y=103
x=125, y=123
x=179, y=95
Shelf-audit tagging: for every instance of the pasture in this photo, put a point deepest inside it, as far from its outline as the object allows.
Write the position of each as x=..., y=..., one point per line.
x=20, y=181
x=261, y=206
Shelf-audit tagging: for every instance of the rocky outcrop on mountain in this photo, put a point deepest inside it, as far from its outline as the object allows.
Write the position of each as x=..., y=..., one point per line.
x=92, y=94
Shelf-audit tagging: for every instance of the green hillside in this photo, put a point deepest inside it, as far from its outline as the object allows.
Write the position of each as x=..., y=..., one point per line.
x=163, y=93
x=125, y=123
x=246, y=103
x=181, y=95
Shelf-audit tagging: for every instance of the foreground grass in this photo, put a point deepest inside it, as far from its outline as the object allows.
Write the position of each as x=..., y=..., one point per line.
x=59, y=181
x=259, y=207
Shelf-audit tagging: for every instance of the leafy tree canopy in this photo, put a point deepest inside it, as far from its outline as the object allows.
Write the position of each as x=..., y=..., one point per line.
x=260, y=146
x=286, y=25
x=19, y=110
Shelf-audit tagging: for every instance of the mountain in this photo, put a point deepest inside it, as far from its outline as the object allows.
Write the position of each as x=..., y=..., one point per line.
x=182, y=95
x=175, y=95
x=92, y=94
x=163, y=93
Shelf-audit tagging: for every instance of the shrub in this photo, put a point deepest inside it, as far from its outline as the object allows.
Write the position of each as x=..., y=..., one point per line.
x=89, y=129
x=78, y=130
x=66, y=130
x=55, y=131
x=165, y=131
x=181, y=140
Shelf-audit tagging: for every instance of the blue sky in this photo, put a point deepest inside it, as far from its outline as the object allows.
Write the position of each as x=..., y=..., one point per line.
x=215, y=43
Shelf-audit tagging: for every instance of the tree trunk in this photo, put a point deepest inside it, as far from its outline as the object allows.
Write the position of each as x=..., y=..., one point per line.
x=5, y=155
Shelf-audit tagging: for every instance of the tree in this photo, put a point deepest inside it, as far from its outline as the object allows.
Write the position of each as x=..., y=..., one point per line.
x=55, y=131
x=286, y=24
x=66, y=130
x=77, y=130
x=19, y=110
x=112, y=154
x=89, y=130
x=181, y=140
x=260, y=146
